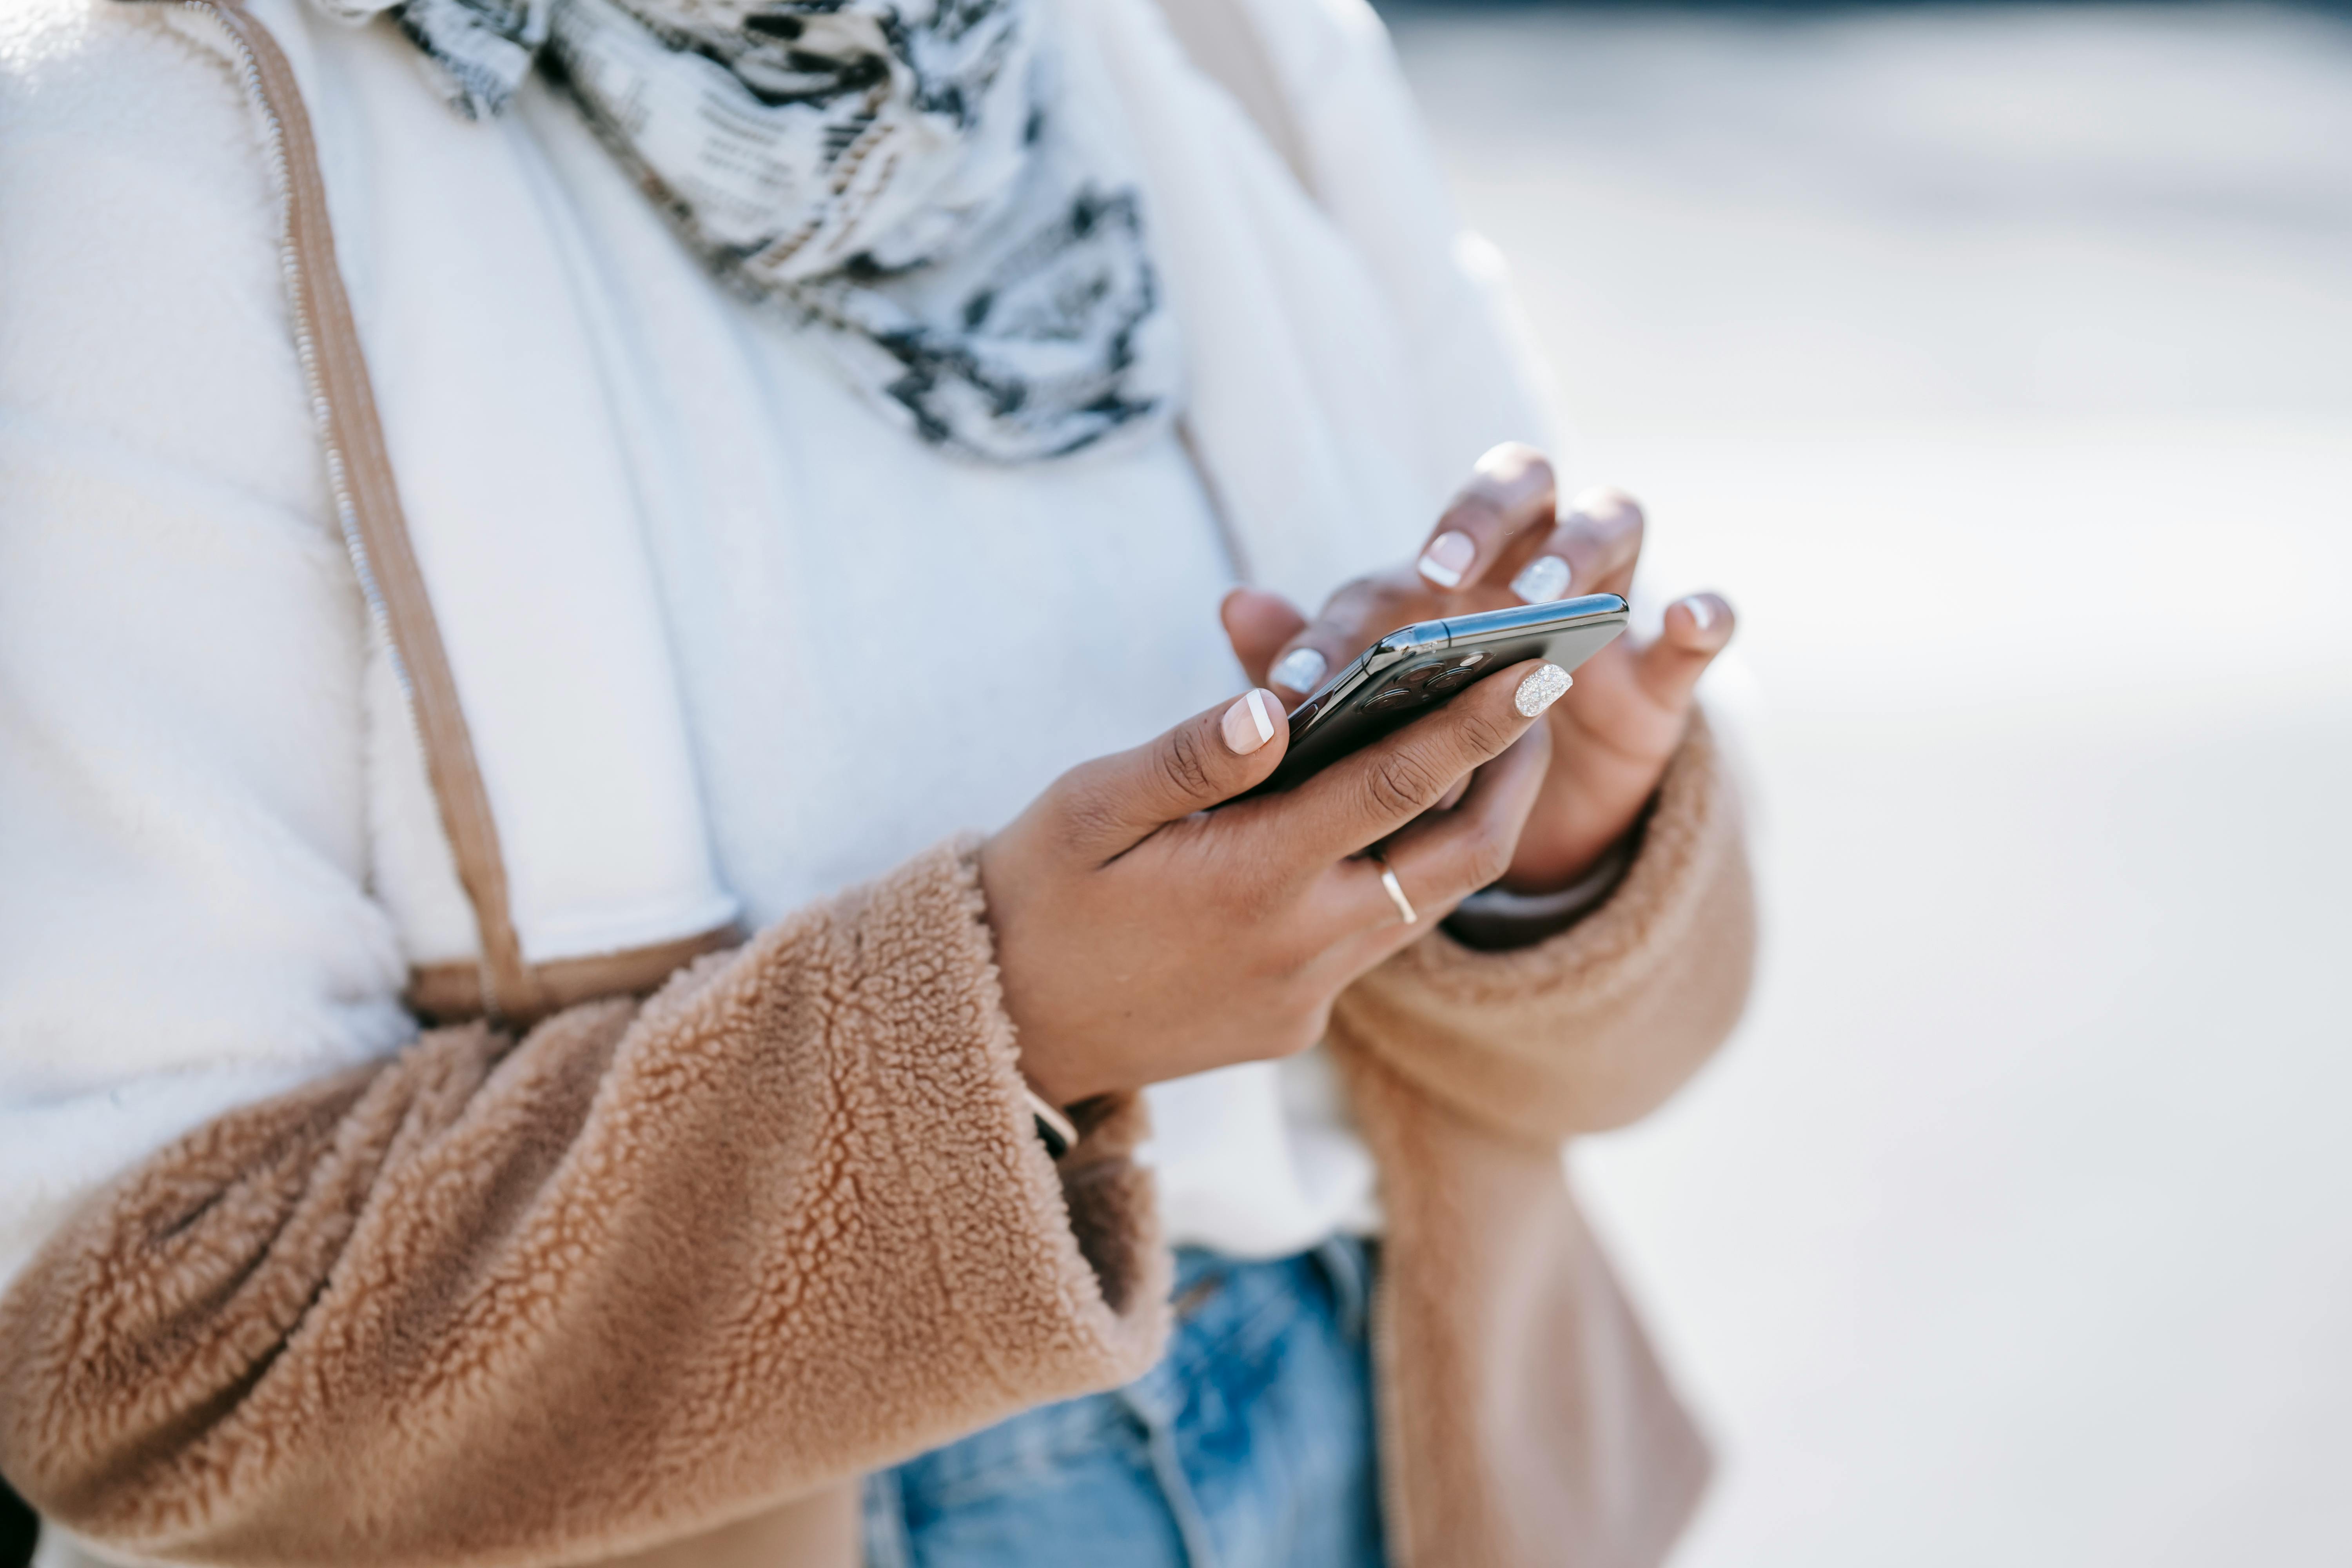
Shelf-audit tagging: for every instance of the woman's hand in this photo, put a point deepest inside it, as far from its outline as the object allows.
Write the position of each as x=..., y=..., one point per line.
x=1500, y=543
x=1141, y=937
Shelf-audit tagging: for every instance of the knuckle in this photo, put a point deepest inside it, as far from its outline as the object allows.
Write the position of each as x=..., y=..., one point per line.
x=1390, y=601
x=1485, y=505
x=1484, y=732
x=1402, y=781
x=1084, y=810
x=1510, y=480
x=1511, y=460
x=1357, y=599
x=1486, y=854
x=1184, y=763
x=1612, y=507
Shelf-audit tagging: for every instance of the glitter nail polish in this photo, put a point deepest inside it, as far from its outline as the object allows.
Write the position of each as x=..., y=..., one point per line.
x=1542, y=580
x=1543, y=687
x=1301, y=669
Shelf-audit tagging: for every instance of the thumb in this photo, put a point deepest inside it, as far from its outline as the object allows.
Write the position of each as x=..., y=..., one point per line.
x=1695, y=629
x=1116, y=802
x=1258, y=623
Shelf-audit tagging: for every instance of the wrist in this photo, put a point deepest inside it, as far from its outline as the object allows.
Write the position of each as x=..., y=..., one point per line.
x=1589, y=803
x=1043, y=1072
x=1058, y=1090
x=1553, y=855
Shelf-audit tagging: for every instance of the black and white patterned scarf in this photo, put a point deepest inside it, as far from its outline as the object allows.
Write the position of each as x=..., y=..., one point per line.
x=897, y=174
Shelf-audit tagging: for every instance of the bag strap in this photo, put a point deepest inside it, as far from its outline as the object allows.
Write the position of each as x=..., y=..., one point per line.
x=1222, y=41
x=367, y=506
x=504, y=984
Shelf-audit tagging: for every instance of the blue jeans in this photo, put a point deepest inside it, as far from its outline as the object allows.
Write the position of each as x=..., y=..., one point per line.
x=1249, y=1446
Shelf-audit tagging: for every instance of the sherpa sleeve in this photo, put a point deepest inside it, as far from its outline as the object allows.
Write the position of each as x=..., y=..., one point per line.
x=650, y=1268
x=1594, y=1028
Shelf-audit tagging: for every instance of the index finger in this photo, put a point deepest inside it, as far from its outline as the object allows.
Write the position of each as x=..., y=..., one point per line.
x=1510, y=492
x=1593, y=551
x=1345, y=626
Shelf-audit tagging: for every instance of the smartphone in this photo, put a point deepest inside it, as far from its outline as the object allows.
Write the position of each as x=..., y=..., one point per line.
x=1415, y=668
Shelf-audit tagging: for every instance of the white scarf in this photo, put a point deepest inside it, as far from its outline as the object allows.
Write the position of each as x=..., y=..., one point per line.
x=896, y=175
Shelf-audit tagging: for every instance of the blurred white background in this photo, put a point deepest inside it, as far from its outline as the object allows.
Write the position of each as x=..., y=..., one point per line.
x=1999, y=363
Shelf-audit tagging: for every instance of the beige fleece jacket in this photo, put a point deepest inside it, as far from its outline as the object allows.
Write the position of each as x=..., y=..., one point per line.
x=668, y=1278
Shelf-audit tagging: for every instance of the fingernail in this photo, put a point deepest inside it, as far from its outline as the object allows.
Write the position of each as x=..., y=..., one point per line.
x=1448, y=556
x=1542, y=580
x=1249, y=723
x=1541, y=689
x=1702, y=615
x=1301, y=669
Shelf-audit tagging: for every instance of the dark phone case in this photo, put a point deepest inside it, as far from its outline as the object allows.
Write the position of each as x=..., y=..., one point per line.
x=20, y=1530
x=1417, y=667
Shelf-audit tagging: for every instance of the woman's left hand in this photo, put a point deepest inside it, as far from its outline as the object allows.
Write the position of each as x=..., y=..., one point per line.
x=1501, y=543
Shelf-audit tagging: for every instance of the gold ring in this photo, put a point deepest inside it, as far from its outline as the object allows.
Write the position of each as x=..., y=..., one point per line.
x=1396, y=890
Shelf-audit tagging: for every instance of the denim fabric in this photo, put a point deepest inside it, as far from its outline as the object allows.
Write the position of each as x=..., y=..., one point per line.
x=1249, y=1446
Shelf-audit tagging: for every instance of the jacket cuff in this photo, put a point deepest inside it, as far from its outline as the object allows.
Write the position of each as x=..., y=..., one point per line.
x=1593, y=1026
x=1054, y=1267
x=1495, y=919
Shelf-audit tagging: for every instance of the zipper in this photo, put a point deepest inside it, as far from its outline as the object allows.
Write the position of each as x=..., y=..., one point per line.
x=306, y=349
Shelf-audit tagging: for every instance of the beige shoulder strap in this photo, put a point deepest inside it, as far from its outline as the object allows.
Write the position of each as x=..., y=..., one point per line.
x=1220, y=38
x=367, y=505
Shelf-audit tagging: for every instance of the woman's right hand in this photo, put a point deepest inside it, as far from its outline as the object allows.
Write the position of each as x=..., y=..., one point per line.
x=1143, y=938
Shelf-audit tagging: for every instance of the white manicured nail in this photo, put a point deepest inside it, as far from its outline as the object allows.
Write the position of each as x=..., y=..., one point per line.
x=1448, y=556
x=1702, y=615
x=1249, y=723
x=1301, y=669
x=1541, y=689
x=1542, y=580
